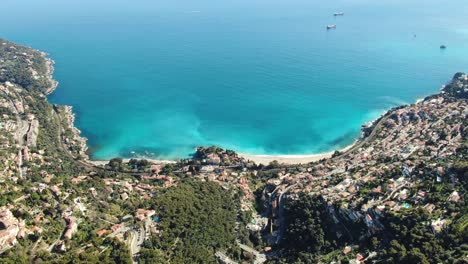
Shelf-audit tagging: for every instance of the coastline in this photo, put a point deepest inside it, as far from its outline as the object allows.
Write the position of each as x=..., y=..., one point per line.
x=50, y=71
x=292, y=159
x=264, y=159
x=285, y=159
x=67, y=109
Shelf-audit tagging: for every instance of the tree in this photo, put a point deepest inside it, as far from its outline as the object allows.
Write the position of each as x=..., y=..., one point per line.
x=149, y=256
x=195, y=220
x=115, y=164
x=414, y=256
x=307, y=226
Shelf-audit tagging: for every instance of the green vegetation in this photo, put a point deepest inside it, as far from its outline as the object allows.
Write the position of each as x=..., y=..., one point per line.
x=412, y=240
x=407, y=236
x=308, y=233
x=15, y=68
x=196, y=220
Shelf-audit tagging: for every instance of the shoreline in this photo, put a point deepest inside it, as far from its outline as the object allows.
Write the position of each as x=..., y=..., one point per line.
x=287, y=159
x=264, y=159
x=50, y=72
x=291, y=159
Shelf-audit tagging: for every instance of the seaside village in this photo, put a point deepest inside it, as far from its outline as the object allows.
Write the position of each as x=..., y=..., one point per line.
x=386, y=170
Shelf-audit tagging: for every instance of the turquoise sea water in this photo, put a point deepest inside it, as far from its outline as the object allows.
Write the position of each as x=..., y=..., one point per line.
x=256, y=76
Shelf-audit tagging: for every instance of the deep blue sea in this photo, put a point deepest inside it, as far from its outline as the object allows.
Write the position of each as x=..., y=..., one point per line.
x=258, y=76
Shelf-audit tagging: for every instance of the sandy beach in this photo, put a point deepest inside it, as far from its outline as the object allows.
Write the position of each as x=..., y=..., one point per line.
x=291, y=159
x=258, y=159
x=286, y=159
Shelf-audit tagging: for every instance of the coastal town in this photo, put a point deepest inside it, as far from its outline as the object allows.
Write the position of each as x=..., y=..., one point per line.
x=54, y=202
x=383, y=172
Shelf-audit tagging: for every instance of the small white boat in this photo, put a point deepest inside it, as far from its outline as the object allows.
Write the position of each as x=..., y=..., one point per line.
x=338, y=14
x=331, y=26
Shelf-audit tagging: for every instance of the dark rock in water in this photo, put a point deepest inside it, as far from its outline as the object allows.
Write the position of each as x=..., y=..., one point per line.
x=443, y=47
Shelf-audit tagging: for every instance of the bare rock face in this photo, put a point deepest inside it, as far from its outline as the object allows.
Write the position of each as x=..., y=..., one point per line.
x=33, y=133
x=9, y=229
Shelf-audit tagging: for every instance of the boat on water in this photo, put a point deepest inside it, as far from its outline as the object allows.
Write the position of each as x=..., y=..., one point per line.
x=338, y=14
x=331, y=26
